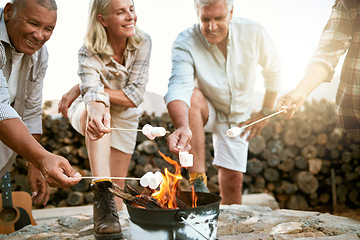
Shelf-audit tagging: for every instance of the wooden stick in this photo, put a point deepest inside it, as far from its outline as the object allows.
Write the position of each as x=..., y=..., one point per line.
x=125, y=129
x=262, y=119
x=235, y=131
x=125, y=178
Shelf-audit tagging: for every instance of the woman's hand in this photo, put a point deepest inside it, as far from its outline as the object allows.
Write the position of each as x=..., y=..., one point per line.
x=67, y=99
x=99, y=120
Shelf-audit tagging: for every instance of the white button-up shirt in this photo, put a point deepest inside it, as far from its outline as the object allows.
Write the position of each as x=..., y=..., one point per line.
x=227, y=83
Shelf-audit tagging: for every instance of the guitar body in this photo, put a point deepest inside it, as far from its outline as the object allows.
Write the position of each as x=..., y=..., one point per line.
x=17, y=216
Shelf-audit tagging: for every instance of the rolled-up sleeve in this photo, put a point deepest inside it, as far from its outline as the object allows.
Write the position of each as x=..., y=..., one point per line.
x=91, y=87
x=270, y=62
x=139, y=73
x=181, y=82
x=335, y=39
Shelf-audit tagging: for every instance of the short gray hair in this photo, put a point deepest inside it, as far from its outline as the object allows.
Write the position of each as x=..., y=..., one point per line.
x=203, y=3
x=48, y=4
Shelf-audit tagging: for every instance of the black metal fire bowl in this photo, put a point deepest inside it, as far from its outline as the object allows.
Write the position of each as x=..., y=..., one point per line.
x=168, y=223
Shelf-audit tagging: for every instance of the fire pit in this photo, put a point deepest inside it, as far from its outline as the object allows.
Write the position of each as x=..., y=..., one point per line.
x=166, y=213
x=191, y=223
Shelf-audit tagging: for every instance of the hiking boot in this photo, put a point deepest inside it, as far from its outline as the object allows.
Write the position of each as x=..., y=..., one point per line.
x=199, y=185
x=106, y=219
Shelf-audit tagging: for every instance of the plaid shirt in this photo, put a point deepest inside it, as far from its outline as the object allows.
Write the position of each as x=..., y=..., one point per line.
x=341, y=34
x=97, y=72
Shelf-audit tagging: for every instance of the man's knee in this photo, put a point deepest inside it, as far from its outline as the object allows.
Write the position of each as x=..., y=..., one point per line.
x=199, y=106
x=231, y=179
x=198, y=99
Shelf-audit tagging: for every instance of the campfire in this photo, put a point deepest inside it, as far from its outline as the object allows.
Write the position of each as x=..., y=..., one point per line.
x=167, y=213
x=164, y=198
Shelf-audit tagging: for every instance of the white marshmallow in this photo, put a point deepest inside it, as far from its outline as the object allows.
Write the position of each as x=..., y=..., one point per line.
x=153, y=132
x=233, y=132
x=186, y=159
x=155, y=180
x=144, y=180
x=158, y=131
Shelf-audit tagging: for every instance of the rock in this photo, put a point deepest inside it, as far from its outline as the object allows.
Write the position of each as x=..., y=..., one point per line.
x=287, y=228
x=260, y=199
x=234, y=222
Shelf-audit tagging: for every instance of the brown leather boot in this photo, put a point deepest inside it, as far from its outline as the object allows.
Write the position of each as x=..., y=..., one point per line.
x=106, y=219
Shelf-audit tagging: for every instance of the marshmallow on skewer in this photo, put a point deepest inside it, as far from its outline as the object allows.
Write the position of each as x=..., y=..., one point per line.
x=153, y=132
x=155, y=180
x=144, y=180
x=233, y=132
x=186, y=159
x=151, y=180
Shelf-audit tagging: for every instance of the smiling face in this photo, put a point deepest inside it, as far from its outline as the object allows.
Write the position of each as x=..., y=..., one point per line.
x=214, y=21
x=29, y=26
x=120, y=19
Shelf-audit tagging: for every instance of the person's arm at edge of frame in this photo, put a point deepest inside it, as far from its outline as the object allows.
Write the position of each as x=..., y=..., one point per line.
x=56, y=169
x=315, y=74
x=268, y=102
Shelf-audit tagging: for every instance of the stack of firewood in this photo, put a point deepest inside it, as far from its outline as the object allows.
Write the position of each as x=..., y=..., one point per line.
x=307, y=161
x=304, y=162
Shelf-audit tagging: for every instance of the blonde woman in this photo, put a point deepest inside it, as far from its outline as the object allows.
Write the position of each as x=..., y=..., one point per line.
x=113, y=68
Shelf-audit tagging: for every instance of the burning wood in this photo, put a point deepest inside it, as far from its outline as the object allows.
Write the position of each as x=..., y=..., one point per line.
x=164, y=198
x=140, y=200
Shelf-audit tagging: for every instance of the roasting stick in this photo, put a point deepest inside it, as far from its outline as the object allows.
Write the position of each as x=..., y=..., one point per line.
x=125, y=129
x=264, y=118
x=125, y=178
x=233, y=132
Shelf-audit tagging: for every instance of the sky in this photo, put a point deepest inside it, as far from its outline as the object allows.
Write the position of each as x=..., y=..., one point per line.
x=294, y=26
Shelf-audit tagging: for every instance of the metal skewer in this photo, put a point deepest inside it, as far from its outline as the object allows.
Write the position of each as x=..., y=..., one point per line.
x=262, y=119
x=236, y=130
x=125, y=129
x=125, y=178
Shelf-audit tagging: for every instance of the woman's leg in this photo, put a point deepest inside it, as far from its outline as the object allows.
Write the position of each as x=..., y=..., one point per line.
x=106, y=220
x=119, y=163
x=98, y=151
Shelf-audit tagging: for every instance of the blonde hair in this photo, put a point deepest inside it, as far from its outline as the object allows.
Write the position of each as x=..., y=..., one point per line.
x=96, y=38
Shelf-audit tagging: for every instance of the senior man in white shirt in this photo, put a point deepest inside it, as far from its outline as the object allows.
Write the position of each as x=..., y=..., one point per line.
x=211, y=88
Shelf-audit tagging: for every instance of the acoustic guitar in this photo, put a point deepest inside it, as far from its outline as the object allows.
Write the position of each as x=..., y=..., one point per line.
x=15, y=208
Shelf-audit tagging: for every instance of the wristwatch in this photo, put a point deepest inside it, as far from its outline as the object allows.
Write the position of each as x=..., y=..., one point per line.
x=267, y=111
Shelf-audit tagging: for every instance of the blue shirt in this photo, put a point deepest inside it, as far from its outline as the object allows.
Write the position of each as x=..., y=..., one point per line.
x=227, y=83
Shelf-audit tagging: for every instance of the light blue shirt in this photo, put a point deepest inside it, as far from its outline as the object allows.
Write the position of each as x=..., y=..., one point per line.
x=228, y=84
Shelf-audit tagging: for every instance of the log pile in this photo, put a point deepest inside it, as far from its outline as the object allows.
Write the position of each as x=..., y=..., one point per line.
x=304, y=162
x=293, y=159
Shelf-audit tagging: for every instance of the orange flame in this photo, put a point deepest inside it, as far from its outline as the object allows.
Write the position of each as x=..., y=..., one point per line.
x=194, y=197
x=169, y=186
